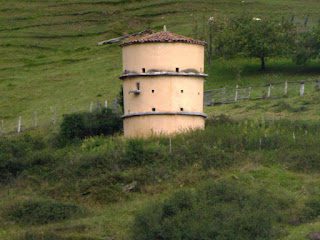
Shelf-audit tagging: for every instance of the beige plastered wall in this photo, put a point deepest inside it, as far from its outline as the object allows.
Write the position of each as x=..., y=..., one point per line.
x=146, y=126
x=164, y=93
x=163, y=56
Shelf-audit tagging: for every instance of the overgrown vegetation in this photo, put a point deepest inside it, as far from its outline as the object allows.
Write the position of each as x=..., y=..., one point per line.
x=217, y=210
x=36, y=212
x=101, y=170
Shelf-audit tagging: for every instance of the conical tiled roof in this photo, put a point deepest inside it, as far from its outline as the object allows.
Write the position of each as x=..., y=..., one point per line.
x=164, y=37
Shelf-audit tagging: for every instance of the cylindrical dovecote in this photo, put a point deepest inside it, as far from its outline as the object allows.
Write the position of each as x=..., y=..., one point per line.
x=162, y=85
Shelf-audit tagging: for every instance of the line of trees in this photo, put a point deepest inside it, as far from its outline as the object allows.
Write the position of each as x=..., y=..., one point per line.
x=248, y=36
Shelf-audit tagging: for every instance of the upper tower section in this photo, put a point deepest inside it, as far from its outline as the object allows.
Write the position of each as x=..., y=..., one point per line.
x=163, y=52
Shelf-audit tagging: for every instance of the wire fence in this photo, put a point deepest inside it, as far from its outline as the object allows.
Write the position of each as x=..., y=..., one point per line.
x=270, y=90
x=22, y=123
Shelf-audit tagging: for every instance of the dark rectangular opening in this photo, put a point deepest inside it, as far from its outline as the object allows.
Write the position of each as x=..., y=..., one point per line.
x=181, y=109
x=153, y=109
x=152, y=91
x=138, y=85
x=181, y=91
x=143, y=70
x=177, y=69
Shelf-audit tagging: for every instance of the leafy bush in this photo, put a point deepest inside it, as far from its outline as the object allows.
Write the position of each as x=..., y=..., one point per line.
x=77, y=126
x=218, y=210
x=312, y=208
x=36, y=212
x=13, y=155
x=301, y=159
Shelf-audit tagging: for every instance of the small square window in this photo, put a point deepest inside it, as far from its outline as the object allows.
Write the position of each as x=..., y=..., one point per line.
x=152, y=90
x=181, y=109
x=153, y=109
x=181, y=91
x=198, y=93
x=177, y=69
x=143, y=70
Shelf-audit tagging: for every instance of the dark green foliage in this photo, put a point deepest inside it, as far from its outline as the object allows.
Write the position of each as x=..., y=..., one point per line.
x=307, y=46
x=13, y=154
x=312, y=208
x=38, y=212
x=77, y=126
x=302, y=159
x=217, y=210
x=49, y=236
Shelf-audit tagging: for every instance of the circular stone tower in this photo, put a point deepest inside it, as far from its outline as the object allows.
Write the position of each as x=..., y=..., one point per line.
x=162, y=85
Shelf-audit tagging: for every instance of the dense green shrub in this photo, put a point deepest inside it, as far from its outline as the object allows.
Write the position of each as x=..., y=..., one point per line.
x=312, y=208
x=36, y=212
x=218, y=210
x=14, y=152
x=301, y=158
x=77, y=126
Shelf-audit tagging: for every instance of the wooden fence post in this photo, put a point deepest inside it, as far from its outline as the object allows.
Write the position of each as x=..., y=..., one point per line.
x=306, y=21
x=285, y=88
x=260, y=143
x=73, y=109
x=170, y=146
x=2, y=127
x=19, y=124
x=317, y=88
x=292, y=18
x=249, y=92
x=98, y=104
x=91, y=105
x=54, y=116
x=223, y=95
x=236, y=96
x=35, y=119
x=302, y=89
x=212, y=101
x=269, y=91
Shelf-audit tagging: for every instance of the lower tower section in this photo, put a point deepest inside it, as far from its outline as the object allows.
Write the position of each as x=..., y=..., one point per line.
x=149, y=124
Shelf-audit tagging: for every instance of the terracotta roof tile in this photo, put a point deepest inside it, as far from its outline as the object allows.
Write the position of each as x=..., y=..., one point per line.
x=164, y=37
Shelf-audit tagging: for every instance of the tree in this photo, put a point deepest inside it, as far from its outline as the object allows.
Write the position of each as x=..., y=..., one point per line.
x=249, y=37
x=307, y=45
x=261, y=38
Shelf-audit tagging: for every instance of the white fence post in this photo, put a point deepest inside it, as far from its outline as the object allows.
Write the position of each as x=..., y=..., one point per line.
x=236, y=96
x=301, y=89
x=285, y=88
x=91, y=105
x=105, y=104
x=269, y=91
x=54, y=116
x=19, y=124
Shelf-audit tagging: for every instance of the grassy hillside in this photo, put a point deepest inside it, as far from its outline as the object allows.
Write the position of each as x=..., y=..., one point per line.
x=49, y=59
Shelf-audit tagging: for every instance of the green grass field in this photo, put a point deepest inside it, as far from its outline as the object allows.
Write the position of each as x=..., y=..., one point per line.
x=49, y=59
